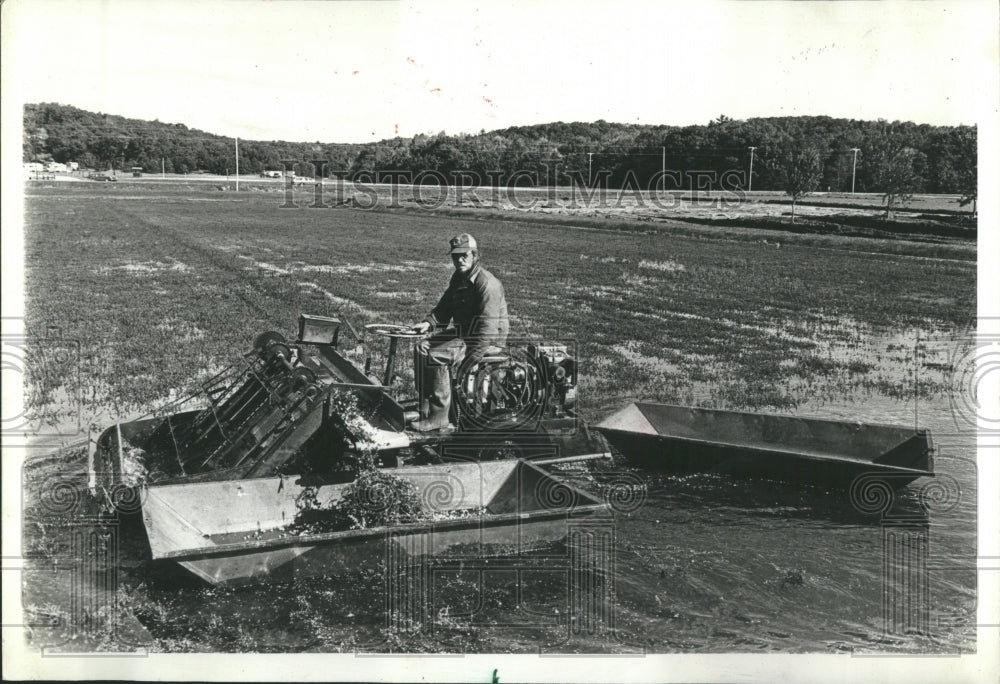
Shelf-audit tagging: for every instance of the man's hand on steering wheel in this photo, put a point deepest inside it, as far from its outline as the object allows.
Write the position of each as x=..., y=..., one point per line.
x=421, y=328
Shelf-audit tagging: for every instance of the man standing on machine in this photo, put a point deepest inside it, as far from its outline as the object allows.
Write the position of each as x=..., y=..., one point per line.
x=470, y=318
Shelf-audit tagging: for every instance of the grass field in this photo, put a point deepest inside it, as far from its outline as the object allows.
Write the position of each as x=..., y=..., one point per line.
x=163, y=282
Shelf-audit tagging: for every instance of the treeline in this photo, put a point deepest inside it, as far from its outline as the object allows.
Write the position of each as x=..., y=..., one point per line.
x=940, y=159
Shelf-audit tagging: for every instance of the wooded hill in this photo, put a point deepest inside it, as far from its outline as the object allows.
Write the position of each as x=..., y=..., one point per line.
x=939, y=159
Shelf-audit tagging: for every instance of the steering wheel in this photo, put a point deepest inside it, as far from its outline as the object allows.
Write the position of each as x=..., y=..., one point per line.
x=401, y=332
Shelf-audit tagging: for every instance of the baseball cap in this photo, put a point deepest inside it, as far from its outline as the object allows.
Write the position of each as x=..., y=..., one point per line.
x=460, y=244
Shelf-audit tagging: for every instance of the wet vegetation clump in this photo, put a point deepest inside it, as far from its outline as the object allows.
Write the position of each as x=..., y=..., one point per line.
x=375, y=499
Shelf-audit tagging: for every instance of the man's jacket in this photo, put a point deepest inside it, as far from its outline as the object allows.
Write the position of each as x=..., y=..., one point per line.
x=477, y=306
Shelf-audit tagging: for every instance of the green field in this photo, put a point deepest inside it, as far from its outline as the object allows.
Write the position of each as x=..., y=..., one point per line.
x=162, y=283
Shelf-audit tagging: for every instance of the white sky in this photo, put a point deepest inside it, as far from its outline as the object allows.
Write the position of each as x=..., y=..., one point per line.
x=354, y=72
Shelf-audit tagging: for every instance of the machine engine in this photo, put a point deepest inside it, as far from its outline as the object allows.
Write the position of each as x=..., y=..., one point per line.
x=516, y=388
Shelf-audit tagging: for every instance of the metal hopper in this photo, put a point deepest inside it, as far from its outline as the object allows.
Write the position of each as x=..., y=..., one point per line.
x=238, y=531
x=824, y=452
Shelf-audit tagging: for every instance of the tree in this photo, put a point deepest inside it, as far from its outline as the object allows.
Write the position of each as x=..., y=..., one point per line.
x=965, y=146
x=948, y=156
x=893, y=165
x=945, y=162
x=898, y=175
x=801, y=171
x=970, y=192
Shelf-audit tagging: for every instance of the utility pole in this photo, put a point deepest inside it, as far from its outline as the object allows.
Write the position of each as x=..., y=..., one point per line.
x=163, y=167
x=590, y=166
x=916, y=382
x=237, y=164
x=750, y=175
x=663, y=166
x=854, y=167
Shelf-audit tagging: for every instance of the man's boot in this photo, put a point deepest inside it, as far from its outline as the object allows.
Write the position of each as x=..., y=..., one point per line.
x=437, y=390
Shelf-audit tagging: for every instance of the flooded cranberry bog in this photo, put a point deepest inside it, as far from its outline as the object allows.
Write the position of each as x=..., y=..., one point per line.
x=162, y=284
